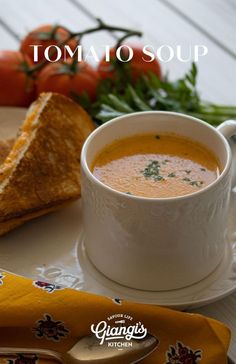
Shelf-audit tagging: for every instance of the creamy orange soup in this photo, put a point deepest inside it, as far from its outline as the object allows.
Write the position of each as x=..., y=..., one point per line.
x=164, y=165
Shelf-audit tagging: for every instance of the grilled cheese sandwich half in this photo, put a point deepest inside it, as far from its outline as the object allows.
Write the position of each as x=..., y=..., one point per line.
x=42, y=170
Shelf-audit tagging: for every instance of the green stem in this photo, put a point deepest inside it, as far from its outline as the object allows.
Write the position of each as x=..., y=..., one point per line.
x=219, y=112
x=79, y=35
x=129, y=34
x=54, y=30
x=211, y=119
x=217, y=106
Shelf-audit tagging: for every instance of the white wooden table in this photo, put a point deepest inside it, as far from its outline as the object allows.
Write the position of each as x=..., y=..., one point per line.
x=172, y=22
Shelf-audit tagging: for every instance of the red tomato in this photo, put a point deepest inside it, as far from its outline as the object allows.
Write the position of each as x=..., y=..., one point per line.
x=44, y=37
x=138, y=66
x=17, y=88
x=64, y=79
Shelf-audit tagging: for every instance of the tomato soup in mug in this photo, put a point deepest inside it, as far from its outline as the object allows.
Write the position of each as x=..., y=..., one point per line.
x=156, y=166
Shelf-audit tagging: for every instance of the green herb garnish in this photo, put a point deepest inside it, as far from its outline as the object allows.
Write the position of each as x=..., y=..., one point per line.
x=159, y=178
x=153, y=171
x=172, y=174
x=195, y=183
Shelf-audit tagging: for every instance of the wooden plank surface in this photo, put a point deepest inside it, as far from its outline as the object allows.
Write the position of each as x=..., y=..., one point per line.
x=215, y=19
x=8, y=41
x=163, y=26
x=27, y=14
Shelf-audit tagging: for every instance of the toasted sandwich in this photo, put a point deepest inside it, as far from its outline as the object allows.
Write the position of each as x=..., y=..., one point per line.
x=5, y=148
x=41, y=173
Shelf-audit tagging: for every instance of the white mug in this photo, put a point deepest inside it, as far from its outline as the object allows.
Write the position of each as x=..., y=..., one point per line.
x=156, y=243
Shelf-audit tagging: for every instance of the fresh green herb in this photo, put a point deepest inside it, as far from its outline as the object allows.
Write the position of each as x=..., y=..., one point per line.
x=153, y=171
x=203, y=169
x=172, y=174
x=159, y=178
x=188, y=171
x=195, y=183
x=128, y=193
x=120, y=96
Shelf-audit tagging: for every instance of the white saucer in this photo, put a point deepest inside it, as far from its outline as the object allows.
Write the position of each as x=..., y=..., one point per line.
x=217, y=285
x=51, y=249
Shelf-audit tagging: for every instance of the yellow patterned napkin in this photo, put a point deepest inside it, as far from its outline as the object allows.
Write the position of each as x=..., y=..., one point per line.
x=44, y=315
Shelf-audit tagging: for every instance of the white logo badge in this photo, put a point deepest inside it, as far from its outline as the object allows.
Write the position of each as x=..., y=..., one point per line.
x=118, y=331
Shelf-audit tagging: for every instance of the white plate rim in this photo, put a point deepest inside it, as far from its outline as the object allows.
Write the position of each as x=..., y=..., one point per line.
x=36, y=272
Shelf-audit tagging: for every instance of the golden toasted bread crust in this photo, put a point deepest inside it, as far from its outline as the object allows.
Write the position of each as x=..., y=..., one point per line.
x=11, y=224
x=5, y=148
x=46, y=162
